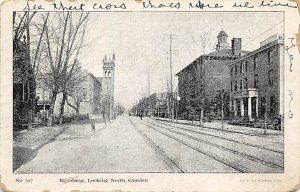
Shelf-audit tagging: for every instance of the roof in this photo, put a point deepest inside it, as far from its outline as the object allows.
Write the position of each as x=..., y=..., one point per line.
x=99, y=79
x=249, y=54
x=222, y=33
x=221, y=54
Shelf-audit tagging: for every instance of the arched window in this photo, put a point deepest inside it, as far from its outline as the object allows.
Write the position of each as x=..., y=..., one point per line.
x=109, y=74
x=105, y=74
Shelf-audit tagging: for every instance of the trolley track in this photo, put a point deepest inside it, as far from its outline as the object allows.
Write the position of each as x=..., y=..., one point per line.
x=159, y=151
x=226, y=161
x=219, y=137
x=249, y=157
x=211, y=155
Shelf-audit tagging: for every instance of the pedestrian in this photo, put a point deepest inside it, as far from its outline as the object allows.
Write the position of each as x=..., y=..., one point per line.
x=93, y=126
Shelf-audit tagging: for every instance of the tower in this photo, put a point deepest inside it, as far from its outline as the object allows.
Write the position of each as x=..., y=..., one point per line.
x=222, y=41
x=108, y=76
x=108, y=81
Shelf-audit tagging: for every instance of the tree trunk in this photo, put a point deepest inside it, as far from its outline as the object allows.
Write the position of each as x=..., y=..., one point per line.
x=62, y=107
x=32, y=107
x=201, y=117
x=77, y=109
x=51, y=110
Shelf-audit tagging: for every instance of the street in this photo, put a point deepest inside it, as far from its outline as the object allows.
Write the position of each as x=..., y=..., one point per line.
x=128, y=144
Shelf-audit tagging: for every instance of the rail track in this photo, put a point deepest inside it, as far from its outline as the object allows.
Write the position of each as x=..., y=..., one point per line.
x=235, y=166
x=226, y=161
x=219, y=137
x=159, y=151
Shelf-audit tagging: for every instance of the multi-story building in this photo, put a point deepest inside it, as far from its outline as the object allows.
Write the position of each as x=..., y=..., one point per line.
x=159, y=104
x=256, y=81
x=200, y=81
x=88, y=98
x=92, y=96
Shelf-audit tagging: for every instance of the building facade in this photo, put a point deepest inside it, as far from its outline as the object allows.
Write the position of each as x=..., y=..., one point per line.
x=91, y=103
x=256, y=82
x=200, y=81
x=160, y=104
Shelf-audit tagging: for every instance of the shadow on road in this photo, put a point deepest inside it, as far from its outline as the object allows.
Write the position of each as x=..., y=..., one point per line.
x=22, y=155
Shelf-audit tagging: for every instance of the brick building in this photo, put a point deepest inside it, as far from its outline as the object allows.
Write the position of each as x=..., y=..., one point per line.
x=200, y=81
x=159, y=103
x=255, y=86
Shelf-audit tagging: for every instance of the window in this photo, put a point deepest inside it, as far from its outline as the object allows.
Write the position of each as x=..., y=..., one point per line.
x=271, y=77
x=231, y=71
x=244, y=67
x=245, y=83
x=231, y=86
x=270, y=56
x=255, y=63
x=235, y=85
x=256, y=81
x=235, y=71
x=241, y=84
x=241, y=68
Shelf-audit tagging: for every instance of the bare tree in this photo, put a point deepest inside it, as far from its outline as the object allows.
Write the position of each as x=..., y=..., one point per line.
x=200, y=72
x=105, y=106
x=76, y=88
x=207, y=42
x=63, y=40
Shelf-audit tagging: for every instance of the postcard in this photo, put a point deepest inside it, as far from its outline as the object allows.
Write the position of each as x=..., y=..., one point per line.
x=149, y=95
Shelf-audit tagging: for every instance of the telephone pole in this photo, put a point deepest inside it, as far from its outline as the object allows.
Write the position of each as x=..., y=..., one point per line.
x=171, y=51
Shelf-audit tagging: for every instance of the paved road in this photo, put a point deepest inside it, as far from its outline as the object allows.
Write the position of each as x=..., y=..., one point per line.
x=129, y=144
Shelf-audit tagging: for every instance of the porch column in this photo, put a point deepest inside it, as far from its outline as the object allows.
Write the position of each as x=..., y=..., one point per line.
x=249, y=108
x=234, y=108
x=242, y=106
x=256, y=107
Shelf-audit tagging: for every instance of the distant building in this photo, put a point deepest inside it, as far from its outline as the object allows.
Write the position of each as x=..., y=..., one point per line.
x=159, y=104
x=256, y=81
x=97, y=92
x=200, y=80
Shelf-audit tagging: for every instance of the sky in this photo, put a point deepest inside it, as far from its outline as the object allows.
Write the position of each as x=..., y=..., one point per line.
x=140, y=41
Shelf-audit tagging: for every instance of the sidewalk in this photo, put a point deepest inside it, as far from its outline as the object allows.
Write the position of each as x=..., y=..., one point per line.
x=27, y=143
x=40, y=136
x=227, y=127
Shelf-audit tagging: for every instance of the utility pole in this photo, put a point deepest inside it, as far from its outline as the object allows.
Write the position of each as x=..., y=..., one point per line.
x=171, y=73
x=171, y=37
x=149, y=95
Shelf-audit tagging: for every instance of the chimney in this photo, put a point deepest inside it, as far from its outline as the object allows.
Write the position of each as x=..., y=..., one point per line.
x=236, y=44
